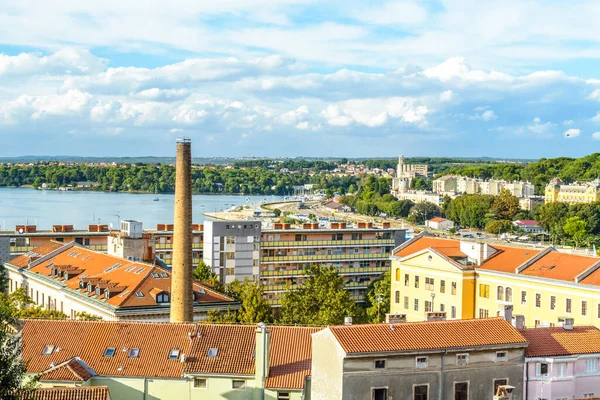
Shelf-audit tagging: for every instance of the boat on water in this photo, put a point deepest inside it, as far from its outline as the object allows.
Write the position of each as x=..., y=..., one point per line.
x=156, y=199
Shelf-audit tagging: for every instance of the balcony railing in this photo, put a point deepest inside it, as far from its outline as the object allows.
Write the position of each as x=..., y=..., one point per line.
x=21, y=249
x=292, y=272
x=160, y=246
x=327, y=257
x=317, y=243
x=97, y=247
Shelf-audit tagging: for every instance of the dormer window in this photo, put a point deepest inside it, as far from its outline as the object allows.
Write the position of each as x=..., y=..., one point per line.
x=162, y=298
x=81, y=285
x=98, y=291
x=106, y=294
x=66, y=276
x=89, y=287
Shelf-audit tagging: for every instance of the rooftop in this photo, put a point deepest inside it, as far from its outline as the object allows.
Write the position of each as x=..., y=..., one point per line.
x=375, y=338
x=69, y=393
x=557, y=341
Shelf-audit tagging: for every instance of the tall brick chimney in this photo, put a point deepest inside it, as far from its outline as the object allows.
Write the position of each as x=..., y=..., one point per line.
x=181, y=281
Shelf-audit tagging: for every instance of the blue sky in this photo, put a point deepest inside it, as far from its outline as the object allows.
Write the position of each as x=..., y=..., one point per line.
x=301, y=77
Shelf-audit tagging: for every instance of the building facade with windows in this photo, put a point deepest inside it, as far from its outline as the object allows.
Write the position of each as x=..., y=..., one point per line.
x=562, y=363
x=468, y=279
x=574, y=193
x=198, y=361
x=450, y=360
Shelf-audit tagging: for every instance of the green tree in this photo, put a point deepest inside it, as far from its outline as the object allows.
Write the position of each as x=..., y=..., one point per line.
x=320, y=300
x=377, y=298
x=575, y=228
x=85, y=316
x=505, y=206
x=203, y=272
x=552, y=216
x=498, y=226
x=277, y=212
x=254, y=307
x=424, y=211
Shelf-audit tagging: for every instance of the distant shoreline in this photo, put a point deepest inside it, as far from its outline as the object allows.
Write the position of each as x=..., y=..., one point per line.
x=132, y=191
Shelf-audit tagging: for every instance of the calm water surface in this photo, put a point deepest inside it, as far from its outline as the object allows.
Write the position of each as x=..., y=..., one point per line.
x=47, y=207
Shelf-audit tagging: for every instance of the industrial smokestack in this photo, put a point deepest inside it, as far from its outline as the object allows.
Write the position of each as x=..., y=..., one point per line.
x=181, y=281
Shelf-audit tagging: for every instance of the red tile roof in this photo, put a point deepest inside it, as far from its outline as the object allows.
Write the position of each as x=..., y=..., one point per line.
x=448, y=247
x=73, y=370
x=23, y=260
x=560, y=342
x=69, y=393
x=437, y=219
x=561, y=266
x=507, y=259
x=376, y=338
x=527, y=222
x=291, y=356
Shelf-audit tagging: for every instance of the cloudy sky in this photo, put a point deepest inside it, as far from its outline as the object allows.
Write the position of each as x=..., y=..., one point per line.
x=300, y=77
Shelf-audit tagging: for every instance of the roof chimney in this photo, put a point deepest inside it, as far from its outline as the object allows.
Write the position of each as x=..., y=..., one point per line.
x=568, y=324
x=181, y=280
x=519, y=321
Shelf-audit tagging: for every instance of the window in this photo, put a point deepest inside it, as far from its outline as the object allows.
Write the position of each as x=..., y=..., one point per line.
x=461, y=390
x=200, y=383
x=238, y=384
x=453, y=312
x=598, y=310
x=499, y=382
x=109, y=352
x=139, y=294
x=134, y=352
x=48, y=350
x=561, y=369
x=442, y=307
x=379, y=394
x=462, y=359
x=453, y=290
x=584, y=308
x=429, y=284
x=397, y=274
x=397, y=297
x=174, y=354
x=538, y=300
x=568, y=305
x=379, y=364
x=406, y=302
x=483, y=313
x=552, y=302
x=212, y=352
x=501, y=356
x=421, y=362
x=500, y=293
x=283, y=395
x=406, y=280
x=442, y=286
x=591, y=365
x=416, y=281
x=541, y=369
x=523, y=297
x=420, y=392
x=508, y=296
x=162, y=298
x=428, y=306
x=484, y=291
x=588, y=395
x=416, y=304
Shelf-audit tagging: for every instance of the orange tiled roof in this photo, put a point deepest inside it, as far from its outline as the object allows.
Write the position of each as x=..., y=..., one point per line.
x=438, y=219
x=375, y=338
x=89, y=339
x=70, y=370
x=123, y=278
x=592, y=279
x=560, y=342
x=291, y=356
x=448, y=247
x=23, y=260
x=69, y=393
x=561, y=266
x=507, y=259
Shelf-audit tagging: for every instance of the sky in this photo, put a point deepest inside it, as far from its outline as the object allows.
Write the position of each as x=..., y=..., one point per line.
x=508, y=79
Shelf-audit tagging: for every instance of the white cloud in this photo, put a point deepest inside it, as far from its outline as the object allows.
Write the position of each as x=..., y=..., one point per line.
x=568, y=122
x=447, y=96
x=65, y=61
x=595, y=95
x=393, y=12
x=487, y=115
x=572, y=133
x=596, y=135
x=156, y=94
x=302, y=125
x=375, y=112
x=175, y=130
x=294, y=116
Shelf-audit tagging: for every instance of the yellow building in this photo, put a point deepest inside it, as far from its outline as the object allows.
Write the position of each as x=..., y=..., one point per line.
x=576, y=193
x=477, y=280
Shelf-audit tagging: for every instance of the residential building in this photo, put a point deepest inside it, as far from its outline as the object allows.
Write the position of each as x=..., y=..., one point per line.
x=232, y=249
x=528, y=203
x=359, y=253
x=469, y=279
x=73, y=279
x=574, y=193
x=69, y=393
x=171, y=361
x=562, y=362
x=451, y=360
x=419, y=196
x=405, y=173
x=529, y=226
x=455, y=185
x=439, y=223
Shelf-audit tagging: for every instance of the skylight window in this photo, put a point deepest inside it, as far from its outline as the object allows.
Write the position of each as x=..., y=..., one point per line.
x=212, y=352
x=134, y=352
x=139, y=294
x=164, y=275
x=139, y=271
x=109, y=352
x=202, y=291
x=173, y=354
x=49, y=349
x=71, y=254
x=154, y=275
x=130, y=268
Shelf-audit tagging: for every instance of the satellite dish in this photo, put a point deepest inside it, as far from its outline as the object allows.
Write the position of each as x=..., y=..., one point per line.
x=20, y=230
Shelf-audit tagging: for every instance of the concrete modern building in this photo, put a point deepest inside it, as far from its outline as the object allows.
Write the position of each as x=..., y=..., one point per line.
x=574, y=193
x=405, y=173
x=137, y=361
x=360, y=253
x=73, y=279
x=439, y=223
x=455, y=185
x=450, y=360
x=232, y=249
x=470, y=279
x=562, y=362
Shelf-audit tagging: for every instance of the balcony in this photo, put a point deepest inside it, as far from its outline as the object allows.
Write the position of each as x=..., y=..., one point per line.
x=168, y=246
x=325, y=257
x=326, y=243
x=97, y=247
x=21, y=249
x=341, y=271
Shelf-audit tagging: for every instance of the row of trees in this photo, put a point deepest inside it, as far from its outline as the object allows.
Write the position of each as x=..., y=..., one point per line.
x=576, y=224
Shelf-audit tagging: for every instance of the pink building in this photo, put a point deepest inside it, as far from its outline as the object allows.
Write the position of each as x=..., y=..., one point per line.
x=562, y=363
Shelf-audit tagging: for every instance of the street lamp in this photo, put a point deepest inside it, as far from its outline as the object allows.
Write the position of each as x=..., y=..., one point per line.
x=432, y=299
